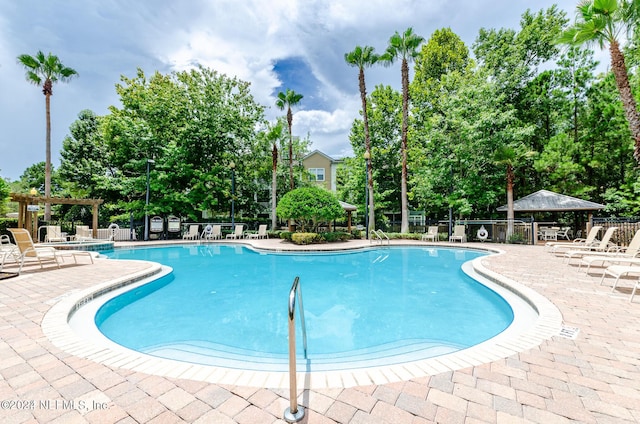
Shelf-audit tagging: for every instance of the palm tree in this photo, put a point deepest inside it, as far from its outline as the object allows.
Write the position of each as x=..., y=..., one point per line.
x=404, y=47
x=45, y=70
x=286, y=100
x=605, y=21
x=510, y=157
x=274, y=135
x=364, y=57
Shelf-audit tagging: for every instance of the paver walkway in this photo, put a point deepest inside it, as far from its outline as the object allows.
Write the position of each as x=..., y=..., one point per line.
x=594, y=378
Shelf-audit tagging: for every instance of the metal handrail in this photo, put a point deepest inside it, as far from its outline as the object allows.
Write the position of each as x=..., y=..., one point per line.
x=295, y=413
x=380, y=236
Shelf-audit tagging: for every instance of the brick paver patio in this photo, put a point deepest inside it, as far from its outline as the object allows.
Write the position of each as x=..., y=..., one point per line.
x=594, y=378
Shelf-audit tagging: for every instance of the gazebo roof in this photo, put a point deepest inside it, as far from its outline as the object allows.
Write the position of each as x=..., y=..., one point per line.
x=347, y=206
x=548, y=201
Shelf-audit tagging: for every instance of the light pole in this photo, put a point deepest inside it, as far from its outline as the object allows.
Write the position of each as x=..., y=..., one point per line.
x=367, y=156
x=232, y=165
x=146, y=207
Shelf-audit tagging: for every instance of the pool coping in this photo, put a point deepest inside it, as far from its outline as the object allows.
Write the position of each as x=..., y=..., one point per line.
x=55, y=325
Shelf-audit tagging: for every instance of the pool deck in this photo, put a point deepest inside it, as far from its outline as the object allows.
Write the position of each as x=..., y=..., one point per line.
x=589, y=377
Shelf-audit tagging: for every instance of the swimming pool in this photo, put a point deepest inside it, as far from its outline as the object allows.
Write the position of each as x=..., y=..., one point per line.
x=225, y=305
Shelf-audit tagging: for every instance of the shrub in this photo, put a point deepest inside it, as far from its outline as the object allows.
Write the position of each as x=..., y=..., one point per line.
x=335, y=236
x=286, y=235
x=309, y=206
x=305, y=238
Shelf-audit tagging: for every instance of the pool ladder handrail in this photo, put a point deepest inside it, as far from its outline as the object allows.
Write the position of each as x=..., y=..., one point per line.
x=294, y=412
x=380, y=236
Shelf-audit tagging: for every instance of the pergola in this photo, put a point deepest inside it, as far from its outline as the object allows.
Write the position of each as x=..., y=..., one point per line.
x=28, y=209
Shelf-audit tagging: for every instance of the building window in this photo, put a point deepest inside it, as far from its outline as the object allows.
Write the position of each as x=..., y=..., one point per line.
x=316, y=174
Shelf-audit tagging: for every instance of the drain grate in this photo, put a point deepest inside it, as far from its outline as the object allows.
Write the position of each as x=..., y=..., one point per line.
x=569, y=332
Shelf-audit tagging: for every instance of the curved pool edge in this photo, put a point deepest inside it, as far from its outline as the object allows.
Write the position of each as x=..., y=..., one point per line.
x=56, y=327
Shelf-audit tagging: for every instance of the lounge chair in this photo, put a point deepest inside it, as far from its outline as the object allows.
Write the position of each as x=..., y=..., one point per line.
x=459, y=234
x=7, y=250
x=602, y=246
x=193, y=233
x=83, y=233
x=237, y=233
x=431, y=234
x=212, y=232
x=54, y=234
x=262, y=233
x=619, y=271
x=619, y=256
x=27, y=250
x=590, y=240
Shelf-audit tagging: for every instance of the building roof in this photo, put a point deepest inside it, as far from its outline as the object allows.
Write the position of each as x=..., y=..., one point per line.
x=548, y=201
x=318, y=152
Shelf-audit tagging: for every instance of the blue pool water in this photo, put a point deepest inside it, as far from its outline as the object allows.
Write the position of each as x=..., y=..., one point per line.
x=227, y=305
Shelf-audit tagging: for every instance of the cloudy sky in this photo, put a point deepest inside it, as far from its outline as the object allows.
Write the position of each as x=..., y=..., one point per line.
x=274, y=44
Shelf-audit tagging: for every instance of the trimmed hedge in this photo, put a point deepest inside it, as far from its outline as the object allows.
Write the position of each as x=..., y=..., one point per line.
x=305, y=238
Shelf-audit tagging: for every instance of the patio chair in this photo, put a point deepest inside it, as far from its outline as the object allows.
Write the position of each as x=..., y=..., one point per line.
x=83, y=233
x=262, y=233
x=27, y=250
x=212, y=232
x=237, y=233
x=459, y=234
x=54, y=234
x=193, y=233
x=619, y=271
x=564, y=233
x=603, y=246
x=628, y=255
x=590, y=240
x=431, y=234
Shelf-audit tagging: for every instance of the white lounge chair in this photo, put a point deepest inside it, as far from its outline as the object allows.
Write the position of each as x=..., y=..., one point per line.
x=237, y=233
x=603, y=246
x=619, y=271
x=459, y=234
x=617, y=257
x=83, y=233
x=591, y=239
x=54, y=234
x=262, y=232
x=212, y=232
x=193, y=233
x=431, y=234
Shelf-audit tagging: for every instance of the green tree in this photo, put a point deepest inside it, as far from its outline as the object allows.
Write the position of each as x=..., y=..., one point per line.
x=43, y=71
x=193, y=124
x=83, y=155
x=286, y=100
x=405, y=48
x=5, y=190
x=364, y=57
x=309, y=207
x=605, y=21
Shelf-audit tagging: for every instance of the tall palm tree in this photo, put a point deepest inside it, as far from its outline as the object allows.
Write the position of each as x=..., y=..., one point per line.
x=45, y=70
x=404, y=47
x=510, y=157
x=605, y=21
x=286, y=100
x=364, y=57
x=274, y=135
